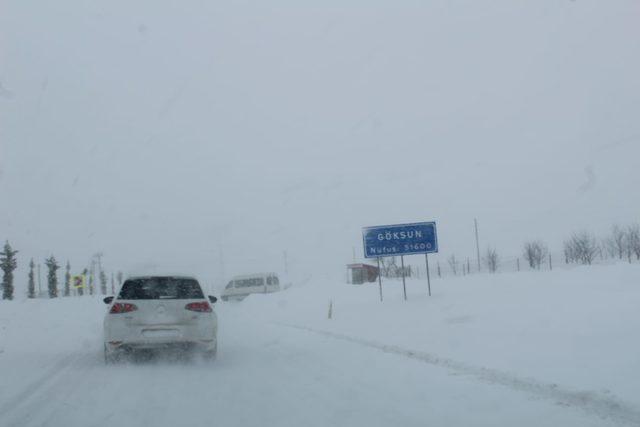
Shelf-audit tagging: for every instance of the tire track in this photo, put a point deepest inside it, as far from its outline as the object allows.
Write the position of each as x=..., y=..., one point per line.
x=590, y=402
x=28, y=403
x=49, y=375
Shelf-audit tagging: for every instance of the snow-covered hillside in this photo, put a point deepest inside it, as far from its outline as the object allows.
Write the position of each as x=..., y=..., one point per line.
x=552, y=348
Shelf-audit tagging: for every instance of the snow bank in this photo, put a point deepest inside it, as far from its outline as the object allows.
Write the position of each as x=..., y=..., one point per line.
x=575, y=328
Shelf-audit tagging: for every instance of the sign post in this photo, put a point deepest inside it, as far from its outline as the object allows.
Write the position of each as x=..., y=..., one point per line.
x=426, y=259
x=404, y=285
x=379, y=278
x=401, y=240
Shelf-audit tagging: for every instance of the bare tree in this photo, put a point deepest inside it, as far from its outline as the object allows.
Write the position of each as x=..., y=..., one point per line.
x=619, y=240
x=581, y=247
x=492, y=260
x=453, y=264
x=535, y=253
x=389, y=267
x=633, y=240
x=608, y=247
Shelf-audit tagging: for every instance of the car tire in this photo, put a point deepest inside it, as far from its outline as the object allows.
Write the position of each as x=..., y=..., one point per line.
x=211, y=355
x=110, y=359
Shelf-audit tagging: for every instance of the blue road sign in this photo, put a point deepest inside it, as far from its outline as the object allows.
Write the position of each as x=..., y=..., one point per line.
x=400, y=239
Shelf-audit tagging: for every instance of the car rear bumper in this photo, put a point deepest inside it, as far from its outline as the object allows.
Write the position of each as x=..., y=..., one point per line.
x=201, y=337
x=113, y=347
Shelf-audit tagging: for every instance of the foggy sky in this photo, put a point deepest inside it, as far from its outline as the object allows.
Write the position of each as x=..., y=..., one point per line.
x=210, y=137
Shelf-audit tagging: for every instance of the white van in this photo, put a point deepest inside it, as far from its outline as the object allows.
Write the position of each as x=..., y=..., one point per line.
x=241, y=286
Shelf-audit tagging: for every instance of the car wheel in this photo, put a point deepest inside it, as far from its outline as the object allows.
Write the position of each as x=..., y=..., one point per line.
x=211, y=354
x=110, y=358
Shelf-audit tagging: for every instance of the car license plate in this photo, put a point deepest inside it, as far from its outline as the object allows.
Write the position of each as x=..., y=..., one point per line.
x=160, y=333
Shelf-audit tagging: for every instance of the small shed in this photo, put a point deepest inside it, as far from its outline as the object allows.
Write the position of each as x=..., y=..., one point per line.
x=362, y=273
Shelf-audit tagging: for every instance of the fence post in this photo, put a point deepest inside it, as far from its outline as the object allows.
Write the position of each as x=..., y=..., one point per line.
x=550, y=264
x=404, y=285
x=518, y=263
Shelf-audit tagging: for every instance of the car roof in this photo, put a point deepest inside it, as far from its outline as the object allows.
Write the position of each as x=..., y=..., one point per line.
x=253, y=276
x=164, y=276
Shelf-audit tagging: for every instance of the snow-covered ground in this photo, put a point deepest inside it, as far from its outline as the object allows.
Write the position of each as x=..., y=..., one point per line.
x=528, y=349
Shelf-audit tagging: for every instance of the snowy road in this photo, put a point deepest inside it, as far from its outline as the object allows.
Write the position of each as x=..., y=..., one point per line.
x=266, y=374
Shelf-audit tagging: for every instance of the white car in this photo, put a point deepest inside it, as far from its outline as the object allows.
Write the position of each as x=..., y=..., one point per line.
x=155, y=312
x=241, y=286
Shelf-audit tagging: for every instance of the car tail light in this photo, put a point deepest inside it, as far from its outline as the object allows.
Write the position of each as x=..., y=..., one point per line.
x=122, y=307
x=201, y=307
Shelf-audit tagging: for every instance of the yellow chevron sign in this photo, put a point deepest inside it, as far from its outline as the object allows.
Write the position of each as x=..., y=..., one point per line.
x=79, y=281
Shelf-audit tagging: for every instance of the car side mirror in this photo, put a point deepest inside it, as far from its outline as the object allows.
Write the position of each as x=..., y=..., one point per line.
x=212, y=299
x=108, y=300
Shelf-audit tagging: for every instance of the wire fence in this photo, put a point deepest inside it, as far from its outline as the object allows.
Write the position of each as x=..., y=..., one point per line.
x=440, y=267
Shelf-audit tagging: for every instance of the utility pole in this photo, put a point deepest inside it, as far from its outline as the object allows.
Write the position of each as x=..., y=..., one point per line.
x=286, y=267
x=222, y=275
x=475, y=221
x=99, y=256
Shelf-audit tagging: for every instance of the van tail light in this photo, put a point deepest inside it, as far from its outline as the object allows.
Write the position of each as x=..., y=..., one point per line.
x=200, y=307
x=122, y=307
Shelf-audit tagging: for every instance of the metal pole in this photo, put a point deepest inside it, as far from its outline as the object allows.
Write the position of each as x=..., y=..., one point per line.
x=221, y=260
x=99, y=256
x=286, y=267
x=477, y=243
x=550, y=265
x=404, y=285
x=379, y=278
x=426, y=259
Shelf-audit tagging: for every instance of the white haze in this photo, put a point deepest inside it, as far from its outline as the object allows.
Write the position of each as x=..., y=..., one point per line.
x=173, y=132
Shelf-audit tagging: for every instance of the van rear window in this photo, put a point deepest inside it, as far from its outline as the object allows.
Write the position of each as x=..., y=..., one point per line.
x=160, y=288
x=248, y=283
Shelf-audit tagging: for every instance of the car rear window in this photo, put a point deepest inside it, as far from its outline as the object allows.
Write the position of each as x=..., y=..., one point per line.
x=160, y=288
